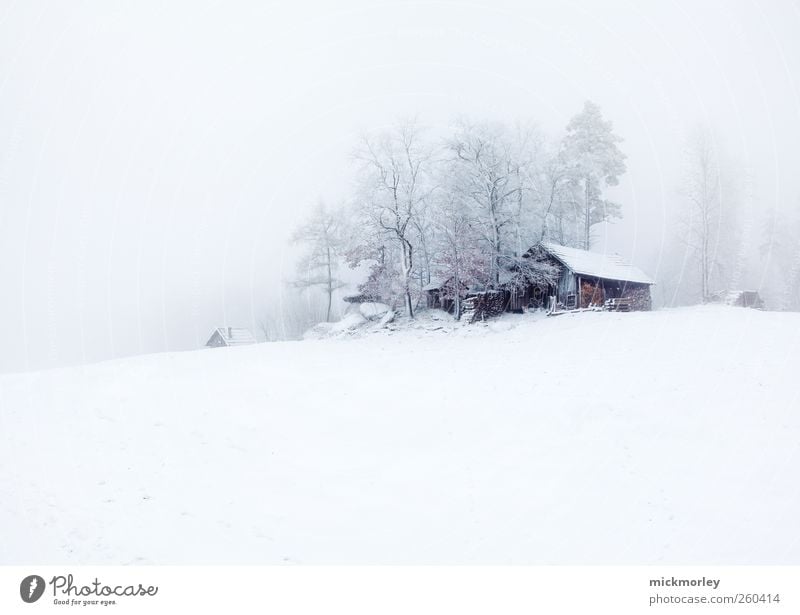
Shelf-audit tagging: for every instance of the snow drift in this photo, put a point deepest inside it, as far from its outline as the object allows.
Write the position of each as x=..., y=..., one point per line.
x=669, y=437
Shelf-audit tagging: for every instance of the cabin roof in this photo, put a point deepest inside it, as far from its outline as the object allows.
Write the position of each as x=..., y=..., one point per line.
x=435, y=284
x=605, y=266
x=235, y=335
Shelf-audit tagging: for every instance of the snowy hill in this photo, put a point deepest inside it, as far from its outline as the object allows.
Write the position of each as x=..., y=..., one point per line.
x=670, y=436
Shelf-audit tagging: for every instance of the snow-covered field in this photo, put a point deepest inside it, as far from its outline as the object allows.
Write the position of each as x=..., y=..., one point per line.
x=671, y=436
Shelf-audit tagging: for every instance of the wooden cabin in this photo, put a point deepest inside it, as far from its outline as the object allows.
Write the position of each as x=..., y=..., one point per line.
x=433, y=296
x=438, y=294
x=579, y=280
x=230, y=336
x=590, y=279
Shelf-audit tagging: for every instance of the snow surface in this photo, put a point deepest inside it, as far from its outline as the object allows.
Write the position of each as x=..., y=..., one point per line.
x=350, y=322
x=670, y=436
x=372, y=311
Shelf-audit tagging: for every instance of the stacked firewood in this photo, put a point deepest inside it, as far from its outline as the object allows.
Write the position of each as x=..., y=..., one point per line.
x=483, y=305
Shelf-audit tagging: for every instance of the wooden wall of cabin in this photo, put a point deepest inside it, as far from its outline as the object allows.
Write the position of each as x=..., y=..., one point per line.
x=532, y=296
x=432, y=299
x=567, y=286
x=538, y=297
x=435, y=301
x=517, y=299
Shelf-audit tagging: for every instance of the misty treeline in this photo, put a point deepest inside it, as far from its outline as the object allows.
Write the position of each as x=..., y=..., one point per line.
x=461, y=209
x=720, y=238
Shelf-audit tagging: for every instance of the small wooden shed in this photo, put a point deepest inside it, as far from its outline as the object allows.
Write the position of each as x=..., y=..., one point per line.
x=589, y=279
x=230, y=336
x=439, y=294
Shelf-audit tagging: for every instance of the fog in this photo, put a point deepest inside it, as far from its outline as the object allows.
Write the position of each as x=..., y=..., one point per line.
x=155, y=159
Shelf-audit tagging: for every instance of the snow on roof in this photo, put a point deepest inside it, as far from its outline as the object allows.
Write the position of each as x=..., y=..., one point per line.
x=435, y=284
x=606, y=266
x=236, y=335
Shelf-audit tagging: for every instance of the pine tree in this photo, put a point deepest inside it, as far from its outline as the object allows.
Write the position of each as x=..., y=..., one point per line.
x=590, y=145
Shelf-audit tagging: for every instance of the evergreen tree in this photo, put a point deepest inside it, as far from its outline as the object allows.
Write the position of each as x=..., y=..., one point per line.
x=590, y=145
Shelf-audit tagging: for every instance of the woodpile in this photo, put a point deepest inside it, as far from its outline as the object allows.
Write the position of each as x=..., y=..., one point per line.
x=639, y=298
x=591, y=294
x=483, y=305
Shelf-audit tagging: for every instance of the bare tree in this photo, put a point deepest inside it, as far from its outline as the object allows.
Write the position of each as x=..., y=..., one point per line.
x=459, y=260
x=707, y=221
x=559, y=204
x=395, y=177
x=424, y=223
x=528, y=161
x=486, y=180
x=780, y=252
x=322, y=237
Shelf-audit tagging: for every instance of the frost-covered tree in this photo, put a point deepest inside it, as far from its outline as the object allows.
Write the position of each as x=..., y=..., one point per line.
x=537, y=190
x=424, y=223
x=468, y=211
x=322, y=237
x=394, y=180
x=485, y=177
x=559, y=199
x=780, y=255
x=708, y=220
x=595, y=161
x=459, y=261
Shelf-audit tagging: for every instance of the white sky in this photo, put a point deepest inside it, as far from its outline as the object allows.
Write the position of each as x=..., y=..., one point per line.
x=153, y=158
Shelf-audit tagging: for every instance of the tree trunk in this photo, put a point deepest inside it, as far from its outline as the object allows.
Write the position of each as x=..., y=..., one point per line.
x=587, y=240
x=407, y=268
x=456, y=284
x=330, y=285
